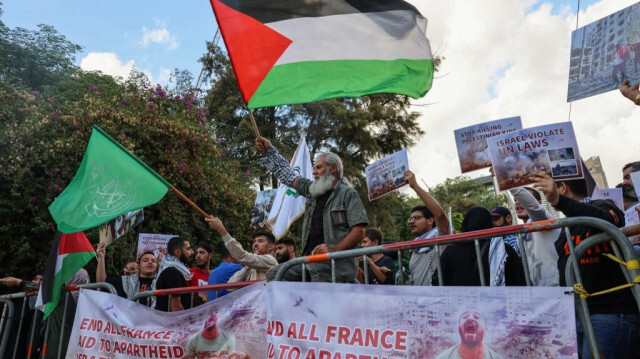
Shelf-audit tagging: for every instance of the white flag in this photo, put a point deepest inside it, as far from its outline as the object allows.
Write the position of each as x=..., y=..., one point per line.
x=288, y=205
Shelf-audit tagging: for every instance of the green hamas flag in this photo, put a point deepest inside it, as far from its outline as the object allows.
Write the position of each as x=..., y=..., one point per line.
x=109, y=182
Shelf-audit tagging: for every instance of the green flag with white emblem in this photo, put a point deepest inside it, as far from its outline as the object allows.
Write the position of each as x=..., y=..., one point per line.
x=109, y=182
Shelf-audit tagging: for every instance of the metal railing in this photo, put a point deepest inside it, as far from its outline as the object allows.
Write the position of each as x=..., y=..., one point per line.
x=8, y=317
x=609, y=233
x=193, y=290
x=8, y=313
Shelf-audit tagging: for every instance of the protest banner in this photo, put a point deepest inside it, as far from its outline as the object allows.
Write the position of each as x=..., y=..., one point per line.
x=262, y=207
x=387, y=174
x=471, y=142
x=152, y=242
x=550, y=149
x=604, y=53
x=107, y=326
x=330, y=320
x=611, y=194
x=120, y=225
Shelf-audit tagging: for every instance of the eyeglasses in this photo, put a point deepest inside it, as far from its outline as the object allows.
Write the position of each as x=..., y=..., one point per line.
x=130, y=268
x=414, y=218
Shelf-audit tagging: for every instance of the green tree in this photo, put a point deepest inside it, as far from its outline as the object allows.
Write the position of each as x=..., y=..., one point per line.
x=461, y=193
x=32, y=59
x=43, y=136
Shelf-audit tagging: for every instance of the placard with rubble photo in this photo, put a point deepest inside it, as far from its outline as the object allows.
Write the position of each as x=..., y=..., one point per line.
x=550, y=149
x=262, y=207
x=471, y=141
x=604, y=53
x=386, y=175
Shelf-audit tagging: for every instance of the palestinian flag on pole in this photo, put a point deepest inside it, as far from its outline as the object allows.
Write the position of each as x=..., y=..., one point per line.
x=110, y=181
x=298, y=51
x=69, y=253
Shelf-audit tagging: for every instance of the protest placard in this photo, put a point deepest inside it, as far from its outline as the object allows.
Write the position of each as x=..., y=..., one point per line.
x=152, y=242
x=471, y=141
x=262, y=207
x=635, y=179
x=604, y=53
x=386, y=175
x=120, y=225
x=550, y=149
x=107, y=326
x=328, y=320
x=631, y=217
x=611, y=194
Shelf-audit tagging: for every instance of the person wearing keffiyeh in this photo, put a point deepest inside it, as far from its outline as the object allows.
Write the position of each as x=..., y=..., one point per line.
x=128, y=286
x=173, y=273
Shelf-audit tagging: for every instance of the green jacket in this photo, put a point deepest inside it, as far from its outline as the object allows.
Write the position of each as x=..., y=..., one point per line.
x=343, y=210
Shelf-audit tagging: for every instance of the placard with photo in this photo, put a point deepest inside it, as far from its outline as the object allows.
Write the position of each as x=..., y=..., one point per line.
x=550, y=149
x=471, y=141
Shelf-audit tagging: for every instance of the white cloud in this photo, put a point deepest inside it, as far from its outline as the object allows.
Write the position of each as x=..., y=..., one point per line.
x=164, y=76
x=521, y=52
x=159, y=35
x=108, y=63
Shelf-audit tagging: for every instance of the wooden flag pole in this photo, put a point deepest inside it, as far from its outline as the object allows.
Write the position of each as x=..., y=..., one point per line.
x=253, y=122
x=190, y=202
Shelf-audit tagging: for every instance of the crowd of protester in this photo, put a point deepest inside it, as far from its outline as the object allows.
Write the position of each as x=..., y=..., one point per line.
x=335, y=220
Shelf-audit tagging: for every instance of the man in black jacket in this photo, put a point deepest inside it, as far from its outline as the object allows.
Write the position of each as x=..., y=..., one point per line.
x=615, y=315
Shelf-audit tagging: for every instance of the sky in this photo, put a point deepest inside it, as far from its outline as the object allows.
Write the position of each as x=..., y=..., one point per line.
x=503, y=58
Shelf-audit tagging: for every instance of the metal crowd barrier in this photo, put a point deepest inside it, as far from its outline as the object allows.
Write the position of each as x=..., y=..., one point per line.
x=8, y=313
x=193, y=290
x=617, y=236
x=8, y=318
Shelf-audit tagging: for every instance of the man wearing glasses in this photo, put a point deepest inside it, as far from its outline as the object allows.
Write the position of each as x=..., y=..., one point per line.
x=426, y=221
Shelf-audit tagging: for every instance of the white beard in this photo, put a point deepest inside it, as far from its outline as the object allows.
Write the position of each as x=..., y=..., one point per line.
x=322, y=185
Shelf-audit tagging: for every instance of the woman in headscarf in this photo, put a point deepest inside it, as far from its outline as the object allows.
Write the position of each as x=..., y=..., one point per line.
x=501, y=264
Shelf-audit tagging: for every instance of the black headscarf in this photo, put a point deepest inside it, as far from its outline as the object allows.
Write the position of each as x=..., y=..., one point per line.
x=477, y=218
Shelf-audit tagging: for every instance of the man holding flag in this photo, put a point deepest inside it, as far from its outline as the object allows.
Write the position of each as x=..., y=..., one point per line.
x=335, y=219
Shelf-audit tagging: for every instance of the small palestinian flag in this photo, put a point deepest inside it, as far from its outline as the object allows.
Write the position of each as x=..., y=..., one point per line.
x=298, y=51
x=69, y=253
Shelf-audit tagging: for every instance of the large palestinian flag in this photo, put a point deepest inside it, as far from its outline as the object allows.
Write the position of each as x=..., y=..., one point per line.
x=297, y=51
x=68, y=254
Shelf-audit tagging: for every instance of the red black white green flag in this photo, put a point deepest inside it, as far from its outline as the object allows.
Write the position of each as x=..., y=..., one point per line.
x=68, y=254
x=298, y=51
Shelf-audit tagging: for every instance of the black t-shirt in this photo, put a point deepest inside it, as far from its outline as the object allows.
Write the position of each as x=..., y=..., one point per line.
x=316, y=235
x=171, y=278
x=384, y=261
x=598, y=272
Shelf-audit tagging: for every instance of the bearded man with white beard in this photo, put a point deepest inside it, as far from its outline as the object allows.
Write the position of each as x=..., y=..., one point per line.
x=334, y=218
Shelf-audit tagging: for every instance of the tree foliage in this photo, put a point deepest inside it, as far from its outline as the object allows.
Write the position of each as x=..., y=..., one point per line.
x=32, y=59
x=43, y=135
x=461, y=193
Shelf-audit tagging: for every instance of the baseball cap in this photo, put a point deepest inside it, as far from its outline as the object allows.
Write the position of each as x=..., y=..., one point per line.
x=500, y=211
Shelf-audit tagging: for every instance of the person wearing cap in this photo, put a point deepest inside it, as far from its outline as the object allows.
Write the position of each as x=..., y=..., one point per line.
x=501, y=217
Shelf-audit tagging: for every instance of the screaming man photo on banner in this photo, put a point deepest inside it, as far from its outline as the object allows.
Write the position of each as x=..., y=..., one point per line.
x=233, y=326
x=331, y=320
